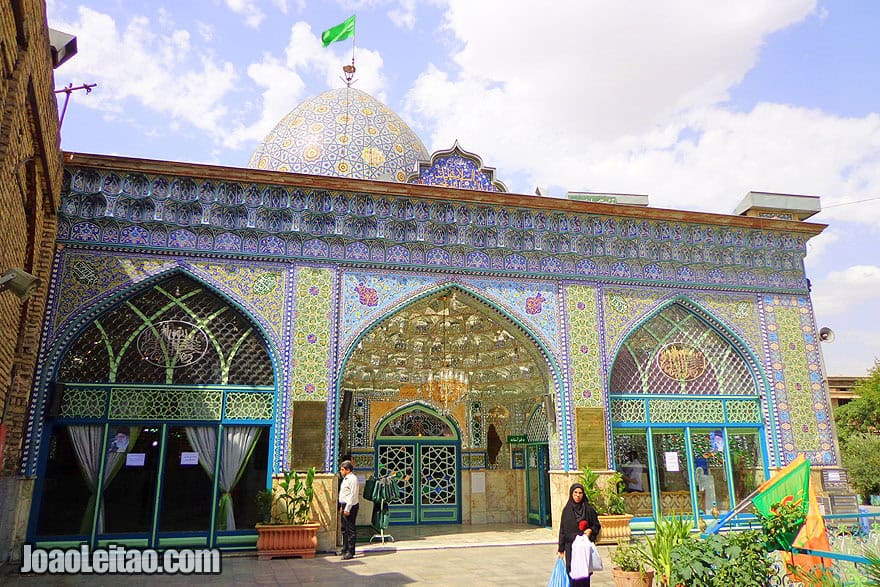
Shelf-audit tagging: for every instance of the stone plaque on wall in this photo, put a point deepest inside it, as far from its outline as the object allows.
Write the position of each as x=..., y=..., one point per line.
x=309, y=435
x=590, y=435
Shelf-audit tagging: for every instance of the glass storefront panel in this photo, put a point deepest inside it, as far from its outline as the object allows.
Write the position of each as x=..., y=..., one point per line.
x=131, y=474
x=710, y=472
x=745, y=460
x=670, y=462
x=631, y=459
x=66, y=491
x=252, y=480
x=186, y=485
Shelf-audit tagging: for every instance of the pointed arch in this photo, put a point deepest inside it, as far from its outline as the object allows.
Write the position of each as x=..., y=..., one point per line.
x=555, y=380
x=75, y=327
x=411, y=408
x=639, y=340
x=537, y=426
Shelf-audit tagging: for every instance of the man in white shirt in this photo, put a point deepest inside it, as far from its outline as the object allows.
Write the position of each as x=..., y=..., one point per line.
x=632, y=473
x=348, y=507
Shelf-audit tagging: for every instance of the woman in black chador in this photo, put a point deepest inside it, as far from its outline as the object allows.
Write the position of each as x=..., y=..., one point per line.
x=578, y=517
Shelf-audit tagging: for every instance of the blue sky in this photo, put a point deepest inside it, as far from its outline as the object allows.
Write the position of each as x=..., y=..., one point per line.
x=691, y=102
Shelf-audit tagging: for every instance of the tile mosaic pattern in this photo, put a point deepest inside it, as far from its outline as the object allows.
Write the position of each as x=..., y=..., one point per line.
x=86, y=277
x=532, y=303
x=738, y=311
x=802, y=404
x=345, y=133
x=261, y=289
x=584, y=353
x=367, y=296
x=311, y=334
x=184, y=214
x=623, y=309
x=457, y=168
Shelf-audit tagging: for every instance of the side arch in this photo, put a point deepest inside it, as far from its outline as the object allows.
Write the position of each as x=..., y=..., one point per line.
x=762, y=388
x=413, y=407
x=708, y=318
x=70, y=333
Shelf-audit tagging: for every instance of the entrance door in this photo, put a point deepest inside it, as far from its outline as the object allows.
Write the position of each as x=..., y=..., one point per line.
x=538, y=483
x=422, y=451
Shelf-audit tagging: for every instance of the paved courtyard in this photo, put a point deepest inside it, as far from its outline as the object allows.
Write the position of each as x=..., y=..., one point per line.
x=438, y=555
x=472, y=565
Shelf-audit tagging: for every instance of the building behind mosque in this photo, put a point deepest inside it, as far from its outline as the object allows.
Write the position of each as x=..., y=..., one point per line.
x=350, y=293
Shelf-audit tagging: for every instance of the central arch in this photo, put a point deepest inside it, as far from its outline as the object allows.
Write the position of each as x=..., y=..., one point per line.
x=464, y=360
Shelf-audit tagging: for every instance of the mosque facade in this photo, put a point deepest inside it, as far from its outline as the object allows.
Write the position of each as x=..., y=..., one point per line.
x=348, y=294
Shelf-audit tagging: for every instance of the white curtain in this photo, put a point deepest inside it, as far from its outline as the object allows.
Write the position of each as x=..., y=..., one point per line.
x=87, y=441
x=238, y=444
x=204, y=440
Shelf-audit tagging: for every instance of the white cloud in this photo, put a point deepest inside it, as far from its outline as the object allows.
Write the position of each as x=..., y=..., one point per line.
x=404, y=14
x=206, y=31
x=817, y=246
x=283, y=82
x=841, y=291
x=151, y=65
x=630, y=97
x=253, y=16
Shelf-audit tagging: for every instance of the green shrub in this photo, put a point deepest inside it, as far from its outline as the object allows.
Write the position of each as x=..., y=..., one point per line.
x=724, y=559
x=861, y=457
x=627, y=557
x=782, y=527
x=657, y=551
x=606, y=500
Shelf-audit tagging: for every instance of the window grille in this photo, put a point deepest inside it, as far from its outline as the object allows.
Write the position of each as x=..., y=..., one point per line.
x=675, y=352
x=178, y=331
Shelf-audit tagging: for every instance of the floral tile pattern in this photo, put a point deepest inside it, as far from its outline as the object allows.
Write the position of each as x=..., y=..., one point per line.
x=584, y=353
x=802, y=402
x=312, y=334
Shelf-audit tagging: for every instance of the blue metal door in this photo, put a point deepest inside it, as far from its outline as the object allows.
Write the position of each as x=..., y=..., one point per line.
x=538, y=483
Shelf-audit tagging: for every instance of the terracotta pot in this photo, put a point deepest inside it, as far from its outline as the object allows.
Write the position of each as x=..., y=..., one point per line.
x=632, y=578
x=614, y=528
x=287, y=540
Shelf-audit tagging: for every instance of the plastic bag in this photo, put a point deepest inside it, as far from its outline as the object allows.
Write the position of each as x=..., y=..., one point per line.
x=580, y=557
x=595, y=558
x=559, y=578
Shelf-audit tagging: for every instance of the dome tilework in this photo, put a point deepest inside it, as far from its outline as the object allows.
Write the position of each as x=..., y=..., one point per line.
x=345, y=133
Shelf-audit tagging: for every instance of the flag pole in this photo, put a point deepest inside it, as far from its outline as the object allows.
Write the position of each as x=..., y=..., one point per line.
x=349, y=70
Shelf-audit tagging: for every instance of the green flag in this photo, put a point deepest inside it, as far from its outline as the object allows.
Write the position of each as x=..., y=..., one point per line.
x=340, y=32
x=789, y=486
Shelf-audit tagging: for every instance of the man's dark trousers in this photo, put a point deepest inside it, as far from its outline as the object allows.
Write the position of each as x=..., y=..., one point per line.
x=349, y=529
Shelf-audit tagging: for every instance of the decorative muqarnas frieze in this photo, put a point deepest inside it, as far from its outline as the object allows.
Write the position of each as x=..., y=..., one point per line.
x=179, y=213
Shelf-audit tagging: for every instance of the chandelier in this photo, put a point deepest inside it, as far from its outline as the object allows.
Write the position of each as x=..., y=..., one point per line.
x=445, y=386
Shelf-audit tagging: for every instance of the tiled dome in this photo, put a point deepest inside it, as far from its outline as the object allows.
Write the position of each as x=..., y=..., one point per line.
x=343, y=133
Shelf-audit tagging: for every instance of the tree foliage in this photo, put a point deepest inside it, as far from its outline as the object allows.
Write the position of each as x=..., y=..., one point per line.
x=861, y=414
x=861, y=457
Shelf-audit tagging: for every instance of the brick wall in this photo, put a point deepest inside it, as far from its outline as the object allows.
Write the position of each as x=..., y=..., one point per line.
x=30, y=183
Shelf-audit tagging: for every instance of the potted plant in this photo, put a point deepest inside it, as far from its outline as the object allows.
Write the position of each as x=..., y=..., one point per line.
x=288, y=509
x=628, y=567
x=609, y=505
x=656, y=552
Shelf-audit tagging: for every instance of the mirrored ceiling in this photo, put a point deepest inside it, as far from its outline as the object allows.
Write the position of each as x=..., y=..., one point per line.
x=451, y=330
